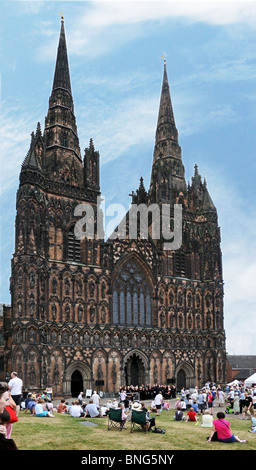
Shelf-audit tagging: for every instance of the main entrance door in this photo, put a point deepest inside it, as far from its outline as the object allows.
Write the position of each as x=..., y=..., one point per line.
x=76, y=383
x=181, y=379
x=134, y=371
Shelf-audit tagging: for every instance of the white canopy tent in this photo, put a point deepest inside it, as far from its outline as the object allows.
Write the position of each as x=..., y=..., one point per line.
x=235, y=382
x=251, y=380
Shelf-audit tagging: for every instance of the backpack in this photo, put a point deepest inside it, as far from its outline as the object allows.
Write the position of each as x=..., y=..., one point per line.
x=158, y=430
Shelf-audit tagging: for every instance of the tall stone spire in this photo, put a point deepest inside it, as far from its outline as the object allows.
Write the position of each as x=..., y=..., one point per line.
x=61, y=75
x=62, y=151
x=166, y=140
x=167, y=177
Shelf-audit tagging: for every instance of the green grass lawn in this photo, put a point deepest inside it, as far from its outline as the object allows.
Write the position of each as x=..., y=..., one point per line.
x=66, y=433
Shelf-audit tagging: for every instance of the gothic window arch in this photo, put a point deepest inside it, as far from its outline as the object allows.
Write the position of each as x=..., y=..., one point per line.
x=73, y=246
x=131, y=296
x=180, y=264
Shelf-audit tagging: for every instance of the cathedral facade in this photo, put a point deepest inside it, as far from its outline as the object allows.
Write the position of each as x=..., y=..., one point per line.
x=92, y=313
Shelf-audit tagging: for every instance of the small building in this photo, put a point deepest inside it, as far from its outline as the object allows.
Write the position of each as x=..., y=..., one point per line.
x=240, y=367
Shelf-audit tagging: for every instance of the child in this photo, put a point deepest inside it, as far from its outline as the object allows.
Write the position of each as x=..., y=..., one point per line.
x=166, y=405
x=183, y=404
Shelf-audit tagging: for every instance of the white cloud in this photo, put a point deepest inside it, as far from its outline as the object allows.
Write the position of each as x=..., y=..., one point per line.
x=15, y=129
x=129, y=122
x=108, y=13
x=96, y=29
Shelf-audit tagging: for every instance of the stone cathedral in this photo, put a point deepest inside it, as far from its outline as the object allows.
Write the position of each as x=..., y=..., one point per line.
x=92, y=313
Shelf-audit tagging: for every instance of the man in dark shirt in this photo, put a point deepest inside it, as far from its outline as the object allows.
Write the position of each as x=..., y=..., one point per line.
x=248, y=408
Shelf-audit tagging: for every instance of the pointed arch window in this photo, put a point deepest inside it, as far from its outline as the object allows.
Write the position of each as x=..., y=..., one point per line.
x=180, y=264
x=73, y=247
x=132, y=296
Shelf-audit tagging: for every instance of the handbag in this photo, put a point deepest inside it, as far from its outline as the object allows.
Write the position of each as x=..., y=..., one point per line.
x=13, y=416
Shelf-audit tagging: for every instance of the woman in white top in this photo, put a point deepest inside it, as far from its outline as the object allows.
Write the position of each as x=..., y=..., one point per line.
x=221, y=396
x=207, y=419
x=158, y=403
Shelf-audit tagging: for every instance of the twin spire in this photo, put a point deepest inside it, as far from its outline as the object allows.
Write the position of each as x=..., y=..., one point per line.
x=60, y=150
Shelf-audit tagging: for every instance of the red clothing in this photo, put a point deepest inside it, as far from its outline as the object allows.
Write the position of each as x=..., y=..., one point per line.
x=61, y=408
x=192, y=415
x=222, y=428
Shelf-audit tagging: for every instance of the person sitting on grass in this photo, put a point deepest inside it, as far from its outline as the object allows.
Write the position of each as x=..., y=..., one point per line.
x=31, y=407
x=93, y=410
x=207, y=419
x=76, y=410
x=153, y=406
x=222, y=427
x=28, y=399
x=166, y=405
x=48, y=404
x=191, y=415
x=41, y=411
x=253, y=427
x=62, y=407
x=179, y=415
x=195, y=406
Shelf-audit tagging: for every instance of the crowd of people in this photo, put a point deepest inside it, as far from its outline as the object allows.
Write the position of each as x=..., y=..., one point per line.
x=189, y=406
x=148, y=392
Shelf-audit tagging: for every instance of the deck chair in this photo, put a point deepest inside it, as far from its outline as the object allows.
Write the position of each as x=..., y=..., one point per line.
x=115, y=419
x=139, y=421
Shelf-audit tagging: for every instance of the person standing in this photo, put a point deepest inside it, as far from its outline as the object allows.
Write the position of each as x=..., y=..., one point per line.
x=158, y=402
x=15, y=386
x=241, y=400
x=96, y=398
x=248, y=408
x=201, y=402
x=80, y=398
x=221, y=397
x=210, y=401
x=236, y=404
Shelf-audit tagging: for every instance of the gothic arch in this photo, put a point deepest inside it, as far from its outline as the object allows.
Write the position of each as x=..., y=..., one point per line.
x=139, y=360
x=137, y=258
x=133, y=290
x=187, y=371
x=84, y=370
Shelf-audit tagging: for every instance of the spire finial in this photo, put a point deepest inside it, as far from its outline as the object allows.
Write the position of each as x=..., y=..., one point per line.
x=164, y=57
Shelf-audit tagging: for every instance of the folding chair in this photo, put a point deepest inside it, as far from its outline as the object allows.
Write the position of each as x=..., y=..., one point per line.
x=139, y=421
x=115, y=419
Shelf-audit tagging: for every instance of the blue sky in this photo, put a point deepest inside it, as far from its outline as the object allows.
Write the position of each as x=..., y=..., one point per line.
x=116, y=68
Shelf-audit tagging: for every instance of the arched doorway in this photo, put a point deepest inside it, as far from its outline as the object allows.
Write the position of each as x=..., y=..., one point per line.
x=181, y=379
x=185, y=376
x=76, y=383
x=134, y=371
x=77, y=375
